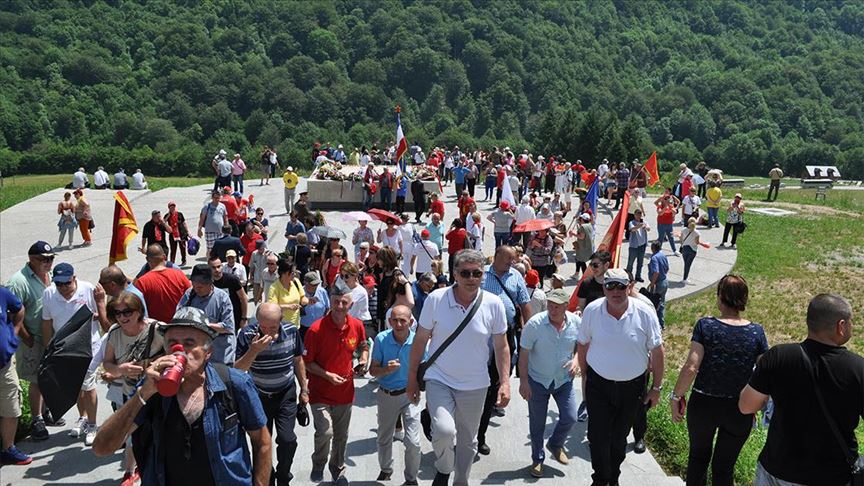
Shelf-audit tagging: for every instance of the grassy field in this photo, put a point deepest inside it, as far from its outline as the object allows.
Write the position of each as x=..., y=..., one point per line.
x=786, y=261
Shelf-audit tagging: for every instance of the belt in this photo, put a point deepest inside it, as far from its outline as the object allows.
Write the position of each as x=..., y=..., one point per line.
x=272, y=394
x=392, y=393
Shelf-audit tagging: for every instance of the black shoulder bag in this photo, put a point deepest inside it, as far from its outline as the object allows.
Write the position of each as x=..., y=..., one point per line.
x=421, y=369
x=856, y=464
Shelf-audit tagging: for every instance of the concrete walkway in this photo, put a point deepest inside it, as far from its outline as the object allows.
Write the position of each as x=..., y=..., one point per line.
x=61, y=460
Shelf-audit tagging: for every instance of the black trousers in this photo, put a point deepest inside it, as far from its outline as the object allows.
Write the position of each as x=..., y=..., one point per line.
x=400, y=204
x=730, y=227
x=706, y=417
x=470, y=183
x=612, y=407
x=640, y=426
x=775, y=186
x=419, y=206
x=281, y=409
x=489, y=404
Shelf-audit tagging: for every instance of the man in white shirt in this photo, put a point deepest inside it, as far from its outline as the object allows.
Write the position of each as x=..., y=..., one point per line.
x=100, y=178
x=616, y=338
x=524, y=212
x=424, y=252
x=60, y=302
x=139, y=183
x=223, y=169
x=456, y=383
x=79, y=179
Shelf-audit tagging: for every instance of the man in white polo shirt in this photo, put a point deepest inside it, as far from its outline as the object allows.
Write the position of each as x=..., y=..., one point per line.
x=456, y=382
x=615, y=339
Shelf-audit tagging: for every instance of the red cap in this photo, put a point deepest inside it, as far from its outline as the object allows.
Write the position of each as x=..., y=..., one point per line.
x=504, y=205
x=374, y=248
x=369, y=281
x=425, y=233
x=532, y=278
x=171, y=203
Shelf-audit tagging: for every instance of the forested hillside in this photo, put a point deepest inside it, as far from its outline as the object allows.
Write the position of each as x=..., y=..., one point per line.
x=164, y=84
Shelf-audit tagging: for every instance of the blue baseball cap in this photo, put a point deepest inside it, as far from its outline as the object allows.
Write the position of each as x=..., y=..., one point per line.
x=63, y=273
x=237, y=194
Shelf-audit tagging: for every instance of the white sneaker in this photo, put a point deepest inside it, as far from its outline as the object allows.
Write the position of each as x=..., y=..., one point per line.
x=675, y=253
x=79, y=428
x=92, y=429
x=399, y=434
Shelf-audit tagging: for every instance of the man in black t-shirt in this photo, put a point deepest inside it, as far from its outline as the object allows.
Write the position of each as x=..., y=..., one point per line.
x=591, y=289
x=801, y=447
x=231, y=284
x=155, y=231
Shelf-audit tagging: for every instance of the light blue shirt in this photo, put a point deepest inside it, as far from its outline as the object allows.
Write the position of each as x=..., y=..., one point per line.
x=436, y=235
x=217, y=305
x=313, y=312
x=385, y=349
x=550, y=349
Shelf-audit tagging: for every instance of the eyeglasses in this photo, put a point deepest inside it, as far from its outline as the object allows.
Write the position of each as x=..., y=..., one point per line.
x=614, y=286
x=596, y=265
x=471, y=273
x=124, y=312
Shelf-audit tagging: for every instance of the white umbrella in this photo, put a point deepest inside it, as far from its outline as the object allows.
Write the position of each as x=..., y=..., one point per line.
x=357, y=216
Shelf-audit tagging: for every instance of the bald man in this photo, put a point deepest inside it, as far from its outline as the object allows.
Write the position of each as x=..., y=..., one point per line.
x=271, y=351
x=114, y=281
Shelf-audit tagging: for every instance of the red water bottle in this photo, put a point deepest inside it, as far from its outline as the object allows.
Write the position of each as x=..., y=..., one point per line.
x=169, y=382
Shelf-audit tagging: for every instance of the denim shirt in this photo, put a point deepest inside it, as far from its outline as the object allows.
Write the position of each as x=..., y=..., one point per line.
x=230, y=462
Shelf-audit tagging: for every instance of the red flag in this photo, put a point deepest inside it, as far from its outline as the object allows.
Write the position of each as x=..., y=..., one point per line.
x=611, y=243
x=651, y=167
x=401, y=142
x=124, y=230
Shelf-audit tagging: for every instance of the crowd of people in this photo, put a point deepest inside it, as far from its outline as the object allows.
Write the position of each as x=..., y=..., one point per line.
x=453, y=333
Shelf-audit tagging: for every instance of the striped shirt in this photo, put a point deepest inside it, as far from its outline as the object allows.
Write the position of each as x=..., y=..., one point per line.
x=515, y=285
x=273, y=369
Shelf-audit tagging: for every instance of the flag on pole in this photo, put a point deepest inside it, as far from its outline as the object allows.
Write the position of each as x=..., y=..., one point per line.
x=611, y=243
x=124, y=228
x=651, y=168
x=591, y=196
x=507, y=192
x=401, y=142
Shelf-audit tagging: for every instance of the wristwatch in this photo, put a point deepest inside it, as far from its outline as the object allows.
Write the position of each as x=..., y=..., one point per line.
x=657, y=388
x=674, y=397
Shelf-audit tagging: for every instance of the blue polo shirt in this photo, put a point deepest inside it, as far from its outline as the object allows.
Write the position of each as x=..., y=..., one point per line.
x=227, y=451
x=550, y=349
x=515, y=285
x=459, y=174
x=385, y=349
x=658, y=264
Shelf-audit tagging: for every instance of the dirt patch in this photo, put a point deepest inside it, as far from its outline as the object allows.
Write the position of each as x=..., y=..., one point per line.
x=849, y=261
x=810, y=210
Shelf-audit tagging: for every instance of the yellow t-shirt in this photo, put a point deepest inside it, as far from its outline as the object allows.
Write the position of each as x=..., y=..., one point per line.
x=279, y=295
x=290, y=180
x=714, y=195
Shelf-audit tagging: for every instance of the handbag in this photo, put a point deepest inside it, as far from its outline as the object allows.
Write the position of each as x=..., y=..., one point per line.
x=741, y=227
x=421, y=369
x=856, y=464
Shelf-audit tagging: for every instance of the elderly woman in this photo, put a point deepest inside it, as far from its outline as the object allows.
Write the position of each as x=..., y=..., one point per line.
x=734, y=220
x=287, y=293
x=129, y=347
x=67, y=223
x=540, y=252
x=723, y=351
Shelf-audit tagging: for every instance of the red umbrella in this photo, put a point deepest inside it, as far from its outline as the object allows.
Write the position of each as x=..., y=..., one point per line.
x=533, y=225
x=384, y=215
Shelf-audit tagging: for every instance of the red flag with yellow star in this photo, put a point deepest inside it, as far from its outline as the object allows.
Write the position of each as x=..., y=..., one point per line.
x=125, y=228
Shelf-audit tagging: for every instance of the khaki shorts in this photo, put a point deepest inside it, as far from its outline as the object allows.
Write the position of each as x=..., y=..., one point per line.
x=10, y=391
x=90, y=381
x=28, y=360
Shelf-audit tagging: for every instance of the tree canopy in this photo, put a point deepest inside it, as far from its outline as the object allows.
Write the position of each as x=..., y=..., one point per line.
x=166, y=83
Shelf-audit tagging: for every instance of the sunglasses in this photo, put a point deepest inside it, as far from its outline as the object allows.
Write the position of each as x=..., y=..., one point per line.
x=596, y=265
x=124, y=312
x=45, y=259
x=63, y=284
x=614, y=286
x=471, y=273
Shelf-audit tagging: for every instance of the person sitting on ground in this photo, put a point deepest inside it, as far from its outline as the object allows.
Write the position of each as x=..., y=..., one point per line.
x=100, y=178
x=120, y=179
x=138, y=181
x=80, y=179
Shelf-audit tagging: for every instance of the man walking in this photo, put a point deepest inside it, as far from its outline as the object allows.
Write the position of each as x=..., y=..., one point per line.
x=216, y=304
x=775, y=174
x=290, y=180
x=801, y=447
x=456, y=383
x=226, y=242
x=271, y=351
x=213, y=217
x=390, y=365
x=330, y=344
x=616, y=337
x=161, y=287
x=547, y=365
x=11, y=321
x=658, y=269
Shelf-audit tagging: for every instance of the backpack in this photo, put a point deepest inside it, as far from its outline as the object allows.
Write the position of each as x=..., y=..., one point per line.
x=142, y=437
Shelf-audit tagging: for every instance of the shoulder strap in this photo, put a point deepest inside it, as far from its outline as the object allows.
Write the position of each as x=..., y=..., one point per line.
x=501, y=283
x=850, y=458
x=226, y=398
x=452, y=337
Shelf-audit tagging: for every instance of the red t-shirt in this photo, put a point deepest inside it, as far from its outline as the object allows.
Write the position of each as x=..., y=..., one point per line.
x=162, y=290
x=230, y=208
x=501, y=176
x=666, y=215
x=249, y=245
x=456, y=240
x=437, y=207
x=333, y=350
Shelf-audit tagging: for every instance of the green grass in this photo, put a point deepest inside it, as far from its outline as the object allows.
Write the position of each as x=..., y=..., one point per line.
x=786, y=261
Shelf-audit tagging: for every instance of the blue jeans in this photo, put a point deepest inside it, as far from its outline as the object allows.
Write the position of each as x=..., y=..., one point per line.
x=660, y=289
x=636, y=254
x=238, y=182
x=367, y=199
x=689, y=255
x=502, y=239
x=538, y=406
x=664, y=231
x=712, y=217
x=385, y=198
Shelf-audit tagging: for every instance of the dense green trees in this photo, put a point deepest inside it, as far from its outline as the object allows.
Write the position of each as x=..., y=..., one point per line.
x=165, y=84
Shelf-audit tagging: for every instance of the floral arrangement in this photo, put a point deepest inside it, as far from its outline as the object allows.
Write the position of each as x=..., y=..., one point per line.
x=332, y=171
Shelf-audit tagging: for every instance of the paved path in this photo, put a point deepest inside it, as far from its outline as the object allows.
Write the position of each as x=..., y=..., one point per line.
x=60, y=460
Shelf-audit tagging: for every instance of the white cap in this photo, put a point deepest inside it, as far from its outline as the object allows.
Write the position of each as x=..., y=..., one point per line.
x=289, y=169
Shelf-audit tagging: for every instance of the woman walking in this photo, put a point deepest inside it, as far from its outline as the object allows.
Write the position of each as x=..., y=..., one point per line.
x=689, y=245
x=723, y=351
x=734, y=220
x=83, y=216
x=67, y=223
